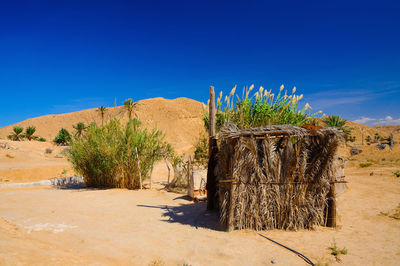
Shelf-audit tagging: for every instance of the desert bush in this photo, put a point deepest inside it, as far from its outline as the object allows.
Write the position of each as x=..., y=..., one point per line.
x=262, y=109
x=116, y=155
x=201, y=151
x=16, y=134
x=364, y=165
x=397, y=174
x=41, y=139
x=63, y=137
x=336, y=251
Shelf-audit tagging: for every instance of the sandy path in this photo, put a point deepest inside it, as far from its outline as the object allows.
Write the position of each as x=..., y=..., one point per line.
x=55, y=226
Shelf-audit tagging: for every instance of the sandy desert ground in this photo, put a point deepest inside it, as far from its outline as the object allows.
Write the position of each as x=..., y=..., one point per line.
x=53, y=226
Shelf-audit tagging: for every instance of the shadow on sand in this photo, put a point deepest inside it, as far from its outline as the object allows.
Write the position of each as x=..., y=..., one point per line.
x=194, y=214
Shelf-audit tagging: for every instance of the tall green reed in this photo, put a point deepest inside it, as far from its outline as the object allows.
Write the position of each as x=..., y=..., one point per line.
x=260, y=109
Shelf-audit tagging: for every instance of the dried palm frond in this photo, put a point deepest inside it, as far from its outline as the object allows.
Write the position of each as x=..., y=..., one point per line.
x=280, y=176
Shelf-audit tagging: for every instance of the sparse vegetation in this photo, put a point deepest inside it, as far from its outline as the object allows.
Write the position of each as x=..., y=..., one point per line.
x=321, y=263
x=336, y=251
x=156, y=262
x=9, y=156
x=262, y=109
x=201, y=151
x=116, y=155
x=16, y=134
x=63, y=138
x=41, y=139
x=364, y=165
x=397, y=174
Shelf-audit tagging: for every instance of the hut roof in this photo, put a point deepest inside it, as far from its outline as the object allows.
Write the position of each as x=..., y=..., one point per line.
x=274, y=131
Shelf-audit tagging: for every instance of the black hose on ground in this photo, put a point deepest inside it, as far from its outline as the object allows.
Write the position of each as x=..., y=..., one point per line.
x=292, y=250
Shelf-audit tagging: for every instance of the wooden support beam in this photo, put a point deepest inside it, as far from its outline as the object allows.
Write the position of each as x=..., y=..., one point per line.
x=211, y=120
x=331, y=220
x=212, y=152
x=231, y=219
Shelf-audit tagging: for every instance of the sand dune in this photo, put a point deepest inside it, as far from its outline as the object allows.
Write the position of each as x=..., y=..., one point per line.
x=180, y=119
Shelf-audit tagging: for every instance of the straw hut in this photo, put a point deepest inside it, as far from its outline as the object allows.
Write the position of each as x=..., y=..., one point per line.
x=276, y=177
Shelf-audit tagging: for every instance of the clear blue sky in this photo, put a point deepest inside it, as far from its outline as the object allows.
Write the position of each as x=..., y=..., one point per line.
x=64, y=56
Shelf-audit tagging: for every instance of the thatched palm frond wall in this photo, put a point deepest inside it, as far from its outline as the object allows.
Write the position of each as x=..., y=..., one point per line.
x=276, y=177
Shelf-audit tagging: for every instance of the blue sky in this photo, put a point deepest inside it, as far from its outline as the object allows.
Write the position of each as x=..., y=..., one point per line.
x=64, y=56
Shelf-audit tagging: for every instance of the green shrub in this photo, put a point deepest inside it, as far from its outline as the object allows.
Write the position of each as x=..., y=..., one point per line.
x=63, y=137
x=397, y=174
x=16, y=134
x=262, y=109
x=41, y=139
x=201, y=151
x=336, y=251
x=116, y=155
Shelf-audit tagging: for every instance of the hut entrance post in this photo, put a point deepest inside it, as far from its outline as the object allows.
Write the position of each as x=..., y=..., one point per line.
x=212, y=150
x=331, y=221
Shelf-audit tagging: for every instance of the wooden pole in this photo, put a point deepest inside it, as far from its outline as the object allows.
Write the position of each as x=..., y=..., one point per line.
x=331, y=207
x=230, y=221
x=151, y=170
x=188, y=175
x=169, y=170
x=212, y=151
x=138, y=165
x=211, y=115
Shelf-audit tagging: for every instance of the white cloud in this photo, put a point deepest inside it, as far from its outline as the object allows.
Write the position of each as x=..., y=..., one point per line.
x=364, y=120
x=388, y=120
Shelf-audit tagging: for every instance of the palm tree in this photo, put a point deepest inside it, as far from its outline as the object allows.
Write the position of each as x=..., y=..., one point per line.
x=17, y=133
x=129, y=105
x=339, y=123
x=29, y=132
x=80, y=128
x=102, y=110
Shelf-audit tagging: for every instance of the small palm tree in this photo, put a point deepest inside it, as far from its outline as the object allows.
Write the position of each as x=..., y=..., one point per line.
x=80, y=128
x=129, y=105
x=339, y=123
x=63, y=137
x=102, y=110
x=17, y=133
x=29, y=132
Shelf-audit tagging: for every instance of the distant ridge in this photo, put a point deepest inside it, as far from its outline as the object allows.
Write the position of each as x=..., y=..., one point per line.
x=180, y=119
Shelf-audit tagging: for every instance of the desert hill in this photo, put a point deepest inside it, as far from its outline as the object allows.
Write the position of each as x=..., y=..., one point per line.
x=180, y=119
